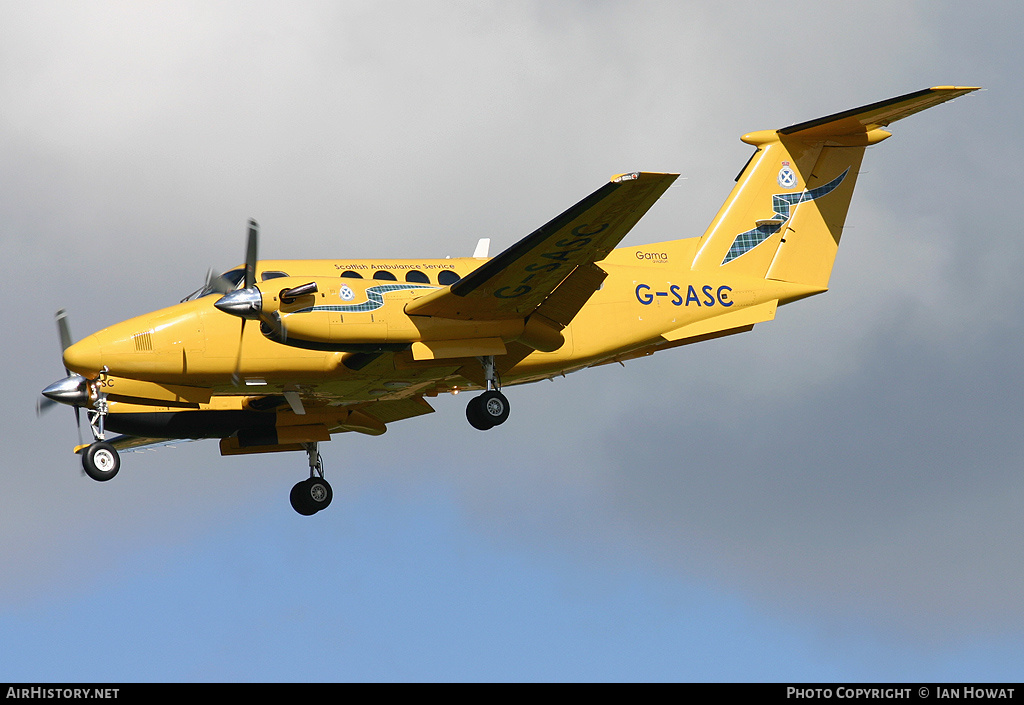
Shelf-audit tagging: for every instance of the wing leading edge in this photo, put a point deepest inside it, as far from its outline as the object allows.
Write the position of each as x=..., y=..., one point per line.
x=514, y=283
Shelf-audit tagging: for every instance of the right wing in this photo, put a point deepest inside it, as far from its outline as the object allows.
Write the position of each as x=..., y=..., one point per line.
x=517, y=281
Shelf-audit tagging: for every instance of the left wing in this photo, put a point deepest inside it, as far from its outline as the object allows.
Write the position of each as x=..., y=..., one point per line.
x=514, y=283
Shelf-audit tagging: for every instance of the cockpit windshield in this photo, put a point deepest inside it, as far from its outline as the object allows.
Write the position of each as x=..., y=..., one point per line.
x=227, y=281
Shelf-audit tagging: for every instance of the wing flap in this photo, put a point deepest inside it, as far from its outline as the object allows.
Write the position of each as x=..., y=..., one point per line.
x=466, y=347
x=398, y=409
x=572, y=294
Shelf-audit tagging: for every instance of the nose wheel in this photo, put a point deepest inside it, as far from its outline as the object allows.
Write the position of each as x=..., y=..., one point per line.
x=100, y=461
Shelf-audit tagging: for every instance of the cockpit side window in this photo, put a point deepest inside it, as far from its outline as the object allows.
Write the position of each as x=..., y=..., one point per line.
x=235, y=276
x=228, y=280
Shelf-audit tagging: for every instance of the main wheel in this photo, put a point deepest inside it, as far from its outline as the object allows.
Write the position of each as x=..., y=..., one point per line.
x=310, y=496
x=475, y=415
x=488, y=410
x=320, y=493
x=100, y=461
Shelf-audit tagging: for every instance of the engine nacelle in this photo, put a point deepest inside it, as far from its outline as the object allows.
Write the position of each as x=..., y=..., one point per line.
x=339, y=314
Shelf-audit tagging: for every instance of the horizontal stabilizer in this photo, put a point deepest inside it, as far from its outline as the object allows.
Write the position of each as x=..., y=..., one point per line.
x=870, y=117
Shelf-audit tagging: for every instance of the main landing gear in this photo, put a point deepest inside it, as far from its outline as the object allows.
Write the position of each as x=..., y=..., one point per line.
x=310, y=496
x=491, y=408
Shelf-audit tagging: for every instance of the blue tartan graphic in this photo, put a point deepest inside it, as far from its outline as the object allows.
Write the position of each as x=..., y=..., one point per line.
x=782, y=205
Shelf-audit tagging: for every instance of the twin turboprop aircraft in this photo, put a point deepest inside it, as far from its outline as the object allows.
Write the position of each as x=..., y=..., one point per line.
x=277, y=355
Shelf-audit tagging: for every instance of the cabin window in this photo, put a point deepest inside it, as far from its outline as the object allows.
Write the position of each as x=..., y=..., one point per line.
x=386, y=276
x=415, y=275
x=349, y=274
x=446, y=277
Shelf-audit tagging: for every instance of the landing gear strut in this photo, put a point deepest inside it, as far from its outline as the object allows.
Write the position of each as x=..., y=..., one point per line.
x=99, y=459
x=491, y=408
x=310, y=496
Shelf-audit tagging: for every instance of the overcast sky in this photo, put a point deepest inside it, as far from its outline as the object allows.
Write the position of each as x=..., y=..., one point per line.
x=836, y=495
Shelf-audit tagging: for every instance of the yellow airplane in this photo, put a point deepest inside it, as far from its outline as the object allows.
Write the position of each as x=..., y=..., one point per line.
x=277, y=355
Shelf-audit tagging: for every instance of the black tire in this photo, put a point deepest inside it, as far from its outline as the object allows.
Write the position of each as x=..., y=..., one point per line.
x=299, y=498
x=488, y=410
x=476, y=415
x=310, y=496
x=100, y=461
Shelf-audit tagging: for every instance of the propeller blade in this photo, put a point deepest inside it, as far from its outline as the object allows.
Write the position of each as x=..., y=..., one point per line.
x=43, y=405
x=250, y=254
x=217, y=282
x=236, y=377
x=63, y=329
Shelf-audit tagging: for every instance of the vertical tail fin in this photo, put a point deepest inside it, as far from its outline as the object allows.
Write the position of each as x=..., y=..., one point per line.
x=784, y=218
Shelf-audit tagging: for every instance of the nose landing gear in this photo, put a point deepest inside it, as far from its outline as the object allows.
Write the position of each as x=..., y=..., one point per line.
x=99, y=459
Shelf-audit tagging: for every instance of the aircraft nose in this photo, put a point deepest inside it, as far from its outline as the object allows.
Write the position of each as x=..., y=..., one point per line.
x=84, y=357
